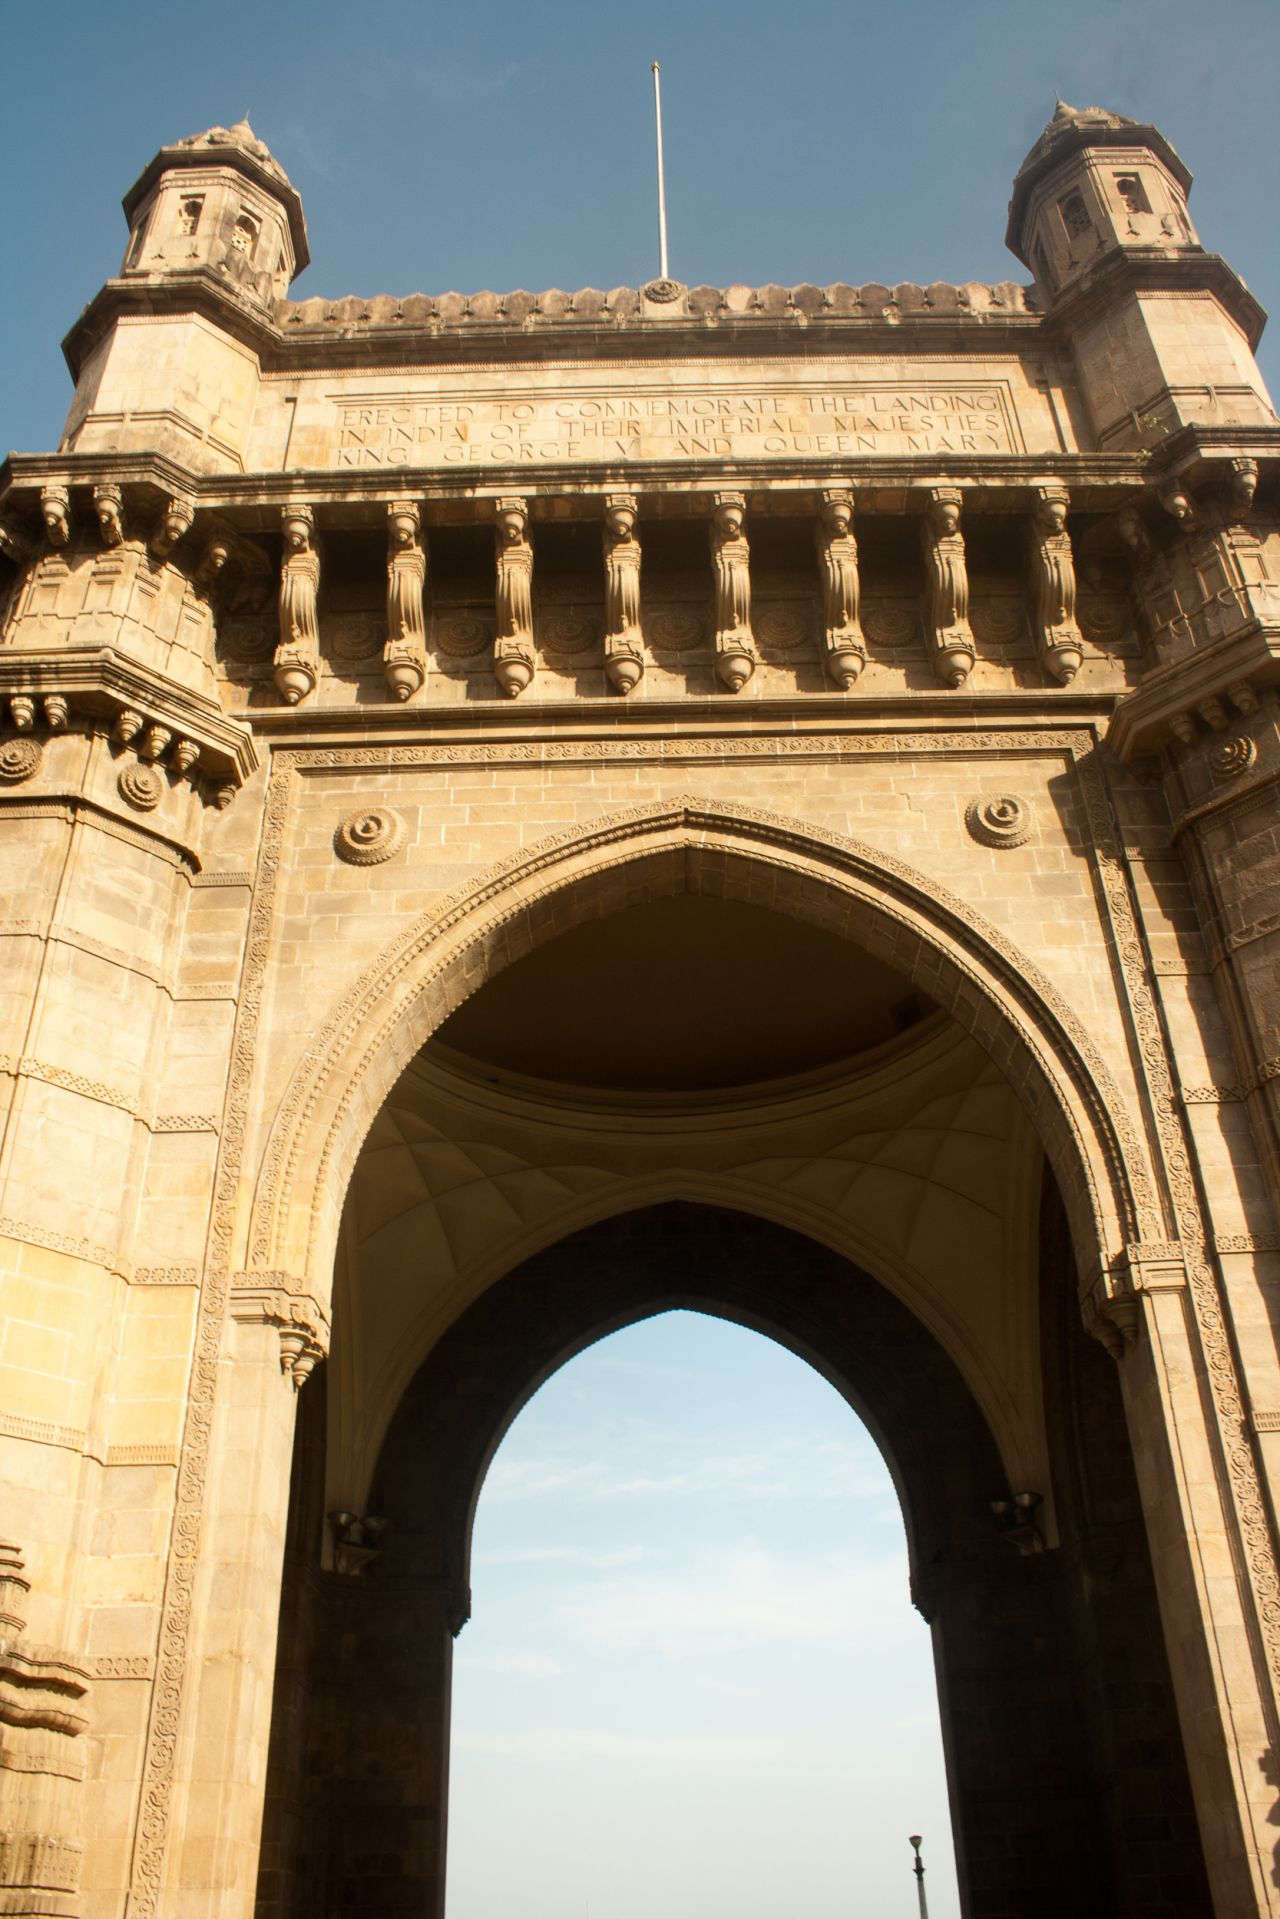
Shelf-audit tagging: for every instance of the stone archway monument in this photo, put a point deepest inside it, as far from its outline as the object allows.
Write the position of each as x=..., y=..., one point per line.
x=491, y=788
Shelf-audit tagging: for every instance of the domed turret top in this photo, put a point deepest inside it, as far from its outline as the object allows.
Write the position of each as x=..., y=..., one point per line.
x=230, y=151
x=1071, y=131
x=240, y=135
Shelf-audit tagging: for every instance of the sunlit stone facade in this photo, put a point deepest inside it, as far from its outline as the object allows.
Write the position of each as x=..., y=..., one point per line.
x=521, y=810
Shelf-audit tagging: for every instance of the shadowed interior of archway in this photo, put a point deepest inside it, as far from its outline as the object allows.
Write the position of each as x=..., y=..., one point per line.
x=685, y=993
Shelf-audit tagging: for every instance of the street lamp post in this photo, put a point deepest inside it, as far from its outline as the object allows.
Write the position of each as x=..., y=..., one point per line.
x=919, y=1872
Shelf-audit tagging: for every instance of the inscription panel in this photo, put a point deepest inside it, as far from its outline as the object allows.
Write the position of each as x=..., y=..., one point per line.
x=636, y=421
x=860, y=420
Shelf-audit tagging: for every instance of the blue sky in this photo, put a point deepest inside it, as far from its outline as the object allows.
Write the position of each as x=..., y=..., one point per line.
x=500, y=145
x=693, y=1684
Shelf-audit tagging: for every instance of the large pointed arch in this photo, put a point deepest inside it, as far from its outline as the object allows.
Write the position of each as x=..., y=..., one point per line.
x=626, y=858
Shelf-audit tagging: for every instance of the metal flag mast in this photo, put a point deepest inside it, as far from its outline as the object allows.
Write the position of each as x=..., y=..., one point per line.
x=662, y=184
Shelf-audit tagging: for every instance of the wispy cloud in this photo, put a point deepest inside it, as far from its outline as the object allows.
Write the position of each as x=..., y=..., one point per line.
x=699, y=1750
x=509, y=1663
x=790, y=1468
x=596, y=1558
x=745, y=1596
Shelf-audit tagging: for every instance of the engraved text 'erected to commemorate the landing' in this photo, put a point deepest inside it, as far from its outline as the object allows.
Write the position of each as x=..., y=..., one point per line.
x=851, y=422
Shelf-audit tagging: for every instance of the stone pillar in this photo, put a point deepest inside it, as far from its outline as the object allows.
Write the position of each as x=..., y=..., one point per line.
x=218, y=1781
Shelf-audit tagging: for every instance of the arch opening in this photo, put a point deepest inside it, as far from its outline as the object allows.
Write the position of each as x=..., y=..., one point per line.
x=693, y=1679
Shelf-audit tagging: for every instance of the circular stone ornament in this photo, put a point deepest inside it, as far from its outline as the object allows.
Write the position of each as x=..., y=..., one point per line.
x=19, y=759
x=1233, y=757
x=999, y=819
x=663, y=291
x=142, y=786
x=370, y=836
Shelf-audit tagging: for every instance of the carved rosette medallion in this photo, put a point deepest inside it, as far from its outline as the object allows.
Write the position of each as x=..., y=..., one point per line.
x=355, y=636
x=142, y=786
x=782, y=627
x=891, y=623
x=247, y=641
x=1233, y=757
x=459, y=635
x=565, y=632
x=370, y=836
x=19, y=759
x=999, y=819
x=663, y=291
x=674, y=629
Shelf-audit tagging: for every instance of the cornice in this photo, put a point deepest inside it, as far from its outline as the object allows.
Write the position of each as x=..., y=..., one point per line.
x=1153, y=270
x=607, y=723
x=1099, y=482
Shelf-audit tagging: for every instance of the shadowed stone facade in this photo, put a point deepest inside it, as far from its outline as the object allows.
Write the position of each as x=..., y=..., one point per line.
x=518, y=812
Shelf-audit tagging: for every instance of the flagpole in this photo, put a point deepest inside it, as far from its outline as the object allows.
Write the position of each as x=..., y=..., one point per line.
x=662, y=184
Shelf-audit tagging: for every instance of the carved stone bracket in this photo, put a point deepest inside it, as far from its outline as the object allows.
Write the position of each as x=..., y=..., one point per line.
x=55, y=509
x=1053, y=569
x=405, y=652
x=623, y=645
x=731, y=559
x=297, y=657
x=951, y=634
x=844, y=648
x=513, y=655
x=1111, y=1307
x=108, y=505
x=175, y=521
x=270, y=1299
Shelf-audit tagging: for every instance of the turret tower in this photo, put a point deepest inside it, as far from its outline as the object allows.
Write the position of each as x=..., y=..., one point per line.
x=218, y=200
x=1163, y=332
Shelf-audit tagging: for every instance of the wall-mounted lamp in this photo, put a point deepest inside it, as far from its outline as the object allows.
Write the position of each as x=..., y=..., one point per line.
x=1015, y=1517
x=356, y=1542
